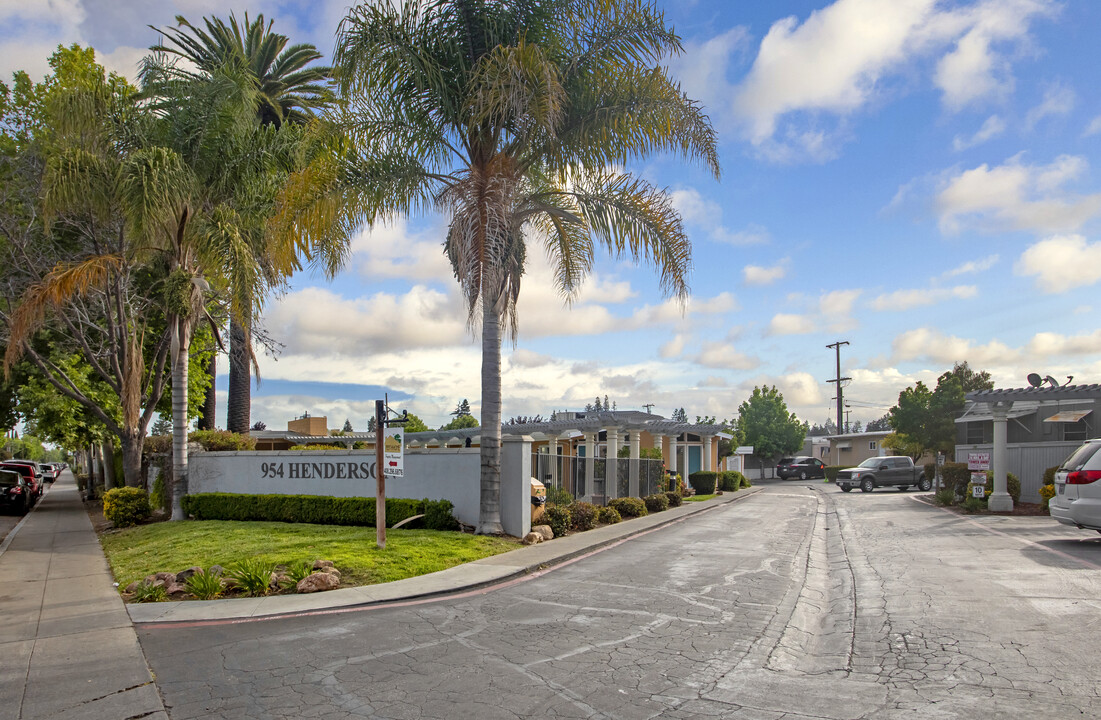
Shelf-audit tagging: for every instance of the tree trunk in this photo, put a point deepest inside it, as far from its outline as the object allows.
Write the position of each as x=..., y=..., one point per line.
x=240, y=391
x=132, y=443
x=180, y=350
x=108, y=464
x=210, y=403
x=489, y=520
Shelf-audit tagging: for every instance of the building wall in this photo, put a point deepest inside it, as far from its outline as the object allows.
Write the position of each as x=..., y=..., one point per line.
x=309, y=426
x=440, y=474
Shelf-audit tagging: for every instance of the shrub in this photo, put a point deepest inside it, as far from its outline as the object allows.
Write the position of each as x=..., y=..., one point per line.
x=628, y=507
x=437, y=514
x=157, y=445
x=148, y=592
x=1047, y=492
x=656, y=503
x=930, y=471
x=221, y=440
x=204, y=586
x=945, y=496
x=730, y=480
x=704, y=482
x=319, y=509
x=956, y=476
x=608, y=516
x=126, y=506
x=582, y=516
x=675, y=499
x=253, y=576
x=973, y=504
x=558, y=496
x=1049, y=475
x=559, y=518
x=316, y=446
x=830, y=471
x=746, y=483
x=159, y=497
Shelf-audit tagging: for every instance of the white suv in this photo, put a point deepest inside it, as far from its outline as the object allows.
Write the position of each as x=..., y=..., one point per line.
x=1077, y=498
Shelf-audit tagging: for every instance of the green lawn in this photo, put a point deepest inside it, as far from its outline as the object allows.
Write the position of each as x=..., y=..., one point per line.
x=699, y=498
x=174, y=546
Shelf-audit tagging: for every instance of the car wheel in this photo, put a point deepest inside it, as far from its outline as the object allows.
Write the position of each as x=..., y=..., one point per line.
x=867, y=485
x=802, y=474
x=846, y=488
x=925, y=485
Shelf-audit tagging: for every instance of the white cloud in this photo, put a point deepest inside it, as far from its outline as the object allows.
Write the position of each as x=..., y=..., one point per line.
x=522, y=358
x=752, y=234
x=758, y=275
x=838, y=303
x=972, y=266
x=932, y=344
x=701, y=69
x=1093, y=128
x=1015, y=196
x=1058, y=100
x=791, y=324
x=725, y=355
x=1061, y=263
x=1047, y=344
x=674, y=347
x=839, y=59
x=908, y=299
x=993, y=127
x=392, y=250
x=703, y=213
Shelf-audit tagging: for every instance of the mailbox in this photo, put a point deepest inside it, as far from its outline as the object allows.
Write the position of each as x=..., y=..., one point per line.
x=538, y=500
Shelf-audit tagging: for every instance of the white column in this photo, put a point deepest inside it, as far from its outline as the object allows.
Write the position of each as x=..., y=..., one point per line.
x=673, y=465
x=635, y=450
x=705, y=451
x=611, y=484
x=1000, y=500
x=552, y=450
x=590, y=464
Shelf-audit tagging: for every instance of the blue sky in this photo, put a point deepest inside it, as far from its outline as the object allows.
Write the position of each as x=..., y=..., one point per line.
x=921, y=179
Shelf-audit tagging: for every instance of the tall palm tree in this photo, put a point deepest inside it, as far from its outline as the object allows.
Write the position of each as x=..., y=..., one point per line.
x=514, y=118
x=287, y=90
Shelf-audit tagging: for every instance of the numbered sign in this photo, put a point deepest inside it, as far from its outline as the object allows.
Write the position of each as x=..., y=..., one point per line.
x=978, y=491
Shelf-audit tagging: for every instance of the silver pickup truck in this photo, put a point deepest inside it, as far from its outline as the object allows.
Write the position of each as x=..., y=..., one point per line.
x=892, y=471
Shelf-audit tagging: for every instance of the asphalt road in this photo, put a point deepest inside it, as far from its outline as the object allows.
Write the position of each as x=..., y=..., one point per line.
x=799, y=602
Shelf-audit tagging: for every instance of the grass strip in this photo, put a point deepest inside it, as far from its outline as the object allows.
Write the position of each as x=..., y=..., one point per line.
x=136, y=552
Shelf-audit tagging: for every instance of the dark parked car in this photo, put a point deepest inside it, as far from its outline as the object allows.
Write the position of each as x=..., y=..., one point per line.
x=29, y=470
x=802, y=467
x=15, y=493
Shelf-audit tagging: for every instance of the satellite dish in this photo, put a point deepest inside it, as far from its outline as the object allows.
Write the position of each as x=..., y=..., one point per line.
x=1035, y=380
x=1051, y=381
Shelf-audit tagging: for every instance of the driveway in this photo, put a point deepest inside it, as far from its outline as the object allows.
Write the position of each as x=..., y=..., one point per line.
x=799, y=602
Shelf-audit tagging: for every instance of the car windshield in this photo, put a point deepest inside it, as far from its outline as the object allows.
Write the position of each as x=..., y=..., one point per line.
x=871, y=462
x=1080, y=457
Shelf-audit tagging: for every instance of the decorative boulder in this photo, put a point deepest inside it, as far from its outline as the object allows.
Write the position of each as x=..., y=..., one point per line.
x=545, y=531
x=332, y=571
x=132, y=587
x=175, y=589
x=217, y=570
x=166, y=577
x=183, y=575
x=322, y=564
x=532, y=538
x=318, y=582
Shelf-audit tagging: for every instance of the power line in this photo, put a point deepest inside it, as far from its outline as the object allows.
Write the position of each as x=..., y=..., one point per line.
x=838, y=379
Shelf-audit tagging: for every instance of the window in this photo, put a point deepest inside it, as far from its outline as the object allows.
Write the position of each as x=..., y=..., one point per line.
x=1075, y=431
x=873, y=445
x=976, y=433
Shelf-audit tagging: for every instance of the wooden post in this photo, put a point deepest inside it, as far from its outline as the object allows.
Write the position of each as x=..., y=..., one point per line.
x=380, y=475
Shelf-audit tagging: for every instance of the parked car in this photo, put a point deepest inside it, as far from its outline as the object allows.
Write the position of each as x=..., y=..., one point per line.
x=1077, y=499
x=15, y=493
x=29, y=470
x=889, y=471
x=49, y=471
x=802, y=467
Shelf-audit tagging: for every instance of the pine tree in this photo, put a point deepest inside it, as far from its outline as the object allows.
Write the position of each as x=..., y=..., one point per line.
x=348, y=425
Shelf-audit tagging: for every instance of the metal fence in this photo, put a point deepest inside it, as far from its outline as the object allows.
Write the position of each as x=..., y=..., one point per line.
x=610, y=477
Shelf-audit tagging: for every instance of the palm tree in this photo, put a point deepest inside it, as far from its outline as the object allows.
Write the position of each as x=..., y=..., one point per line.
x=287, y=90
x=514, y=119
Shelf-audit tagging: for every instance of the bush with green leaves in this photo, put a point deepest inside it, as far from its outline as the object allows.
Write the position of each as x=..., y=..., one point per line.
x=149, y=592
x=628, y=507
x=830, y=471
x=930, y=471
x=204, y=585
x=730, y=480
x=656, y=503
x=222, y=440
x=318, y=509
x=675, y=499
x=252, y=576
x=1012, y=486
x=438, y=515
x=582, y=516
x=1049, y=475
x=298, y=571
x=704, y=482
x=956, y=476
x=973, y=505
x=945, y=496
x=558, y=496
x=609, y=516
x=159, y=496
x=126, y=506
x=559, y=518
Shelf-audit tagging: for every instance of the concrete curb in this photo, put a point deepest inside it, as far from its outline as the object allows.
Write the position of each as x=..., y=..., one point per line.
x=469, y=577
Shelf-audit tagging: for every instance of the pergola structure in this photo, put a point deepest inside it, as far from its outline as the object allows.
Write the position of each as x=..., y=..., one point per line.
x=1000, y=404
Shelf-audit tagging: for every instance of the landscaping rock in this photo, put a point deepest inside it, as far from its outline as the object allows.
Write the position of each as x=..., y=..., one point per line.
x=318, y=582
x=132, y=587
x=322, y=564
x=175, y=590
x=332, y=571
x=183, y=575
x=532, y=538
x=545, y=531
x=167, y=577
x=217, y=570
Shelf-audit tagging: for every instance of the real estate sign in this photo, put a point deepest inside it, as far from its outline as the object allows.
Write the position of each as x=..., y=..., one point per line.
x=393, y=452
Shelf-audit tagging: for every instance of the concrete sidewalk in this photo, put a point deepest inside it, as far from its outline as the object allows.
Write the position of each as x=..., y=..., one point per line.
x=67, y=647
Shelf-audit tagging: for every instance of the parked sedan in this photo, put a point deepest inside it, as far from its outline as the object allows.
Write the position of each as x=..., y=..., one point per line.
x=29, y=470
x=15, y=493
x=1077, y=498
x=802, y=467
x=49, y=471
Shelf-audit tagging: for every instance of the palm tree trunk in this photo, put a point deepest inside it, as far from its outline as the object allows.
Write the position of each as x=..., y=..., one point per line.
x=132, y=442
x=180, y=350
x=240, y=392
x=489, y=520
x=210, y=402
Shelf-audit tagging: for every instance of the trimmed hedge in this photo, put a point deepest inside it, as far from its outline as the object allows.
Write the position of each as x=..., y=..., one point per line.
x=956, y=476
x=930, y=470
x=628, y=507
x=830, y=471
x=608, y=515
x=675, y=499
x=582, y=516
x=704, y=482
x=559, y=518
x=221, y=440
x=126, y=506
x=1049, y=475
x=318, y=509
x=656, y=503
x=731, y=480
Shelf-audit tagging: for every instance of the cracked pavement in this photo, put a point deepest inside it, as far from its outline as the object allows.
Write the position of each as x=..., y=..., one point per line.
x=799, y=602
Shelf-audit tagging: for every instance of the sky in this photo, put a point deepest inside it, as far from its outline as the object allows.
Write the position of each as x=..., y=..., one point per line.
x=918, y=178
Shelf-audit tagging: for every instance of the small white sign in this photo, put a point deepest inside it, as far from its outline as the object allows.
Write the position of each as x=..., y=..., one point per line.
x=978, y=478
x=744, y=450
x=978, y=461
x=393, y=452
x=978, y=491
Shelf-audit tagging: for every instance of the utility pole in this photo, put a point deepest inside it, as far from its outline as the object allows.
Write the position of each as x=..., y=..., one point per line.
x=838, y=379
x=649, y=407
